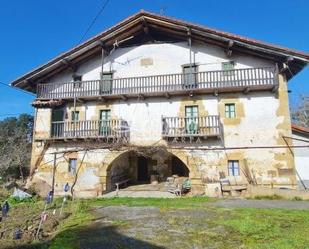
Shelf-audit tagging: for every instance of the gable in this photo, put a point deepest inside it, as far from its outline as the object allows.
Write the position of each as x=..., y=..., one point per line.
x=145, y=27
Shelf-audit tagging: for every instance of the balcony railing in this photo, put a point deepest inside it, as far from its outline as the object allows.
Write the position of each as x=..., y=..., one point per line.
x=109, y=129
x=207, y=126
x=238, y=79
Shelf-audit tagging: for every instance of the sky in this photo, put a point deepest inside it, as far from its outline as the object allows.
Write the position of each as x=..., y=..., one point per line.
x=35, y=31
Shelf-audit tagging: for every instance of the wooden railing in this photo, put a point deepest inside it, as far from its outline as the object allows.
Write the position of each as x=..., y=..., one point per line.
x=206, y=126
x=250, y=77
x=115, y=128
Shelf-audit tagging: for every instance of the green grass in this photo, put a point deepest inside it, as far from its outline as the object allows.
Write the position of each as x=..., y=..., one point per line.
x=268, y=228
x=185, y=202
x=246, y=228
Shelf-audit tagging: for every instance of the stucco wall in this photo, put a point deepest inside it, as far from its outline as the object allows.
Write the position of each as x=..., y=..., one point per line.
x=301, y=156
x=261, y=120
x=161, y=58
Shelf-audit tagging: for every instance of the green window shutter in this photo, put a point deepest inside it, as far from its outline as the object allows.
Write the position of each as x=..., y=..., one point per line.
x=230, y=111
x=191, y=120
x=105, y=125
x=227, y=68
x=75, y=116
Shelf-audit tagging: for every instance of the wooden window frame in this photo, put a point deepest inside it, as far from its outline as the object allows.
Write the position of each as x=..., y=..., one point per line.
x=195, y=122
x=232, y=169
x=73, y=116
x=228, y=111
x=187, y=78
x=77, y=80
x=228, y=71
x=71, y=169
x=106, y=85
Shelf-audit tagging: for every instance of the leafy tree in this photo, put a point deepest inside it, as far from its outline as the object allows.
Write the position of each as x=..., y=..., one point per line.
x=15, y=146
x=300, y=116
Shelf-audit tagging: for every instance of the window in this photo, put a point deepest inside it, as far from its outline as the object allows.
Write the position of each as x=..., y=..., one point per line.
x=228, y=67
x=233, y=168
x=72, y=165
x=77, y=79
x=105, y=125
x=75, y=116
x=191, y=119
x=230, y=111
x=106, y=85
x=190, y=76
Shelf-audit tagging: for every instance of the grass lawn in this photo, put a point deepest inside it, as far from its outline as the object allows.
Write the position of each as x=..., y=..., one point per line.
x=176, y=223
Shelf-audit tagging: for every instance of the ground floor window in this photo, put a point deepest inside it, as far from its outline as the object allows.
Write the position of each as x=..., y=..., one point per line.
x=233, y=168
x=72, y=165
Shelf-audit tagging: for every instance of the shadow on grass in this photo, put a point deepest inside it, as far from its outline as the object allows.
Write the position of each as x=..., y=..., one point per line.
x=95, y=236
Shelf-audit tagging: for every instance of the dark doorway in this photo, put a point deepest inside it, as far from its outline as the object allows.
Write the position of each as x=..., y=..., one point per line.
x=142, y=169
x=179, y=168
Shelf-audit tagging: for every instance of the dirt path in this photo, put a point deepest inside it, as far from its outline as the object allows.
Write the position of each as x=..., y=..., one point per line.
x=148, y=228
x=284, y=204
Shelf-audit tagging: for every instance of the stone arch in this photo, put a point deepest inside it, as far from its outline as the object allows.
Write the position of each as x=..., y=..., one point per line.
x=125, y=164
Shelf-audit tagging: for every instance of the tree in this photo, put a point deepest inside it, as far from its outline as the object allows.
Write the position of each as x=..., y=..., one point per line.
x=15, y=146
x=300, y=116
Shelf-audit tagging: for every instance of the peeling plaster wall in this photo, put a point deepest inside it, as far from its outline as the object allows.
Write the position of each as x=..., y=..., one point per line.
x=261, y=119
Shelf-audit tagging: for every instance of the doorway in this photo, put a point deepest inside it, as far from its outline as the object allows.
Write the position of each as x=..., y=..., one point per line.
x=142, y=169
x=57, y=122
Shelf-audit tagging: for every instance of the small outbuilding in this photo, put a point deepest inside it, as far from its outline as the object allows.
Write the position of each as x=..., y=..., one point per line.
x=301, y=155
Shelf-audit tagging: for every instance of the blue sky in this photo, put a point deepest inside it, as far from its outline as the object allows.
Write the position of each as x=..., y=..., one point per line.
x=35, y=31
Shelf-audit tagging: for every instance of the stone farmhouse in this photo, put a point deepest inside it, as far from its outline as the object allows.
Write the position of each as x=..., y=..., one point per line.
x=154, y=97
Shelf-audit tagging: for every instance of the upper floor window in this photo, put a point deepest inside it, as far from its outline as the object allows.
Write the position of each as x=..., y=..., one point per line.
x=105, y=124
x=233, y=167
x=230, y=111
x=228, y=67
x=77, y=79
x=191, y=119
x=190, y=75
x=75, y=115
x=72, y=165
x=106, y=85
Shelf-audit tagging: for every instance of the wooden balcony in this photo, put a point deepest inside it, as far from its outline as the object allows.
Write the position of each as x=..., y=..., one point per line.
x=191, y=127
x=109, y=130
x=251, y=79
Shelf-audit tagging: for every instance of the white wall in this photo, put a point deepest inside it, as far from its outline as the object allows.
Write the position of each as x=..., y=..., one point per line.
x=166, y=58
x=301, y=156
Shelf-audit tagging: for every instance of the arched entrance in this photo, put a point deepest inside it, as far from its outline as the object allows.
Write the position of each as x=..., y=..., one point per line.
x=144, y=167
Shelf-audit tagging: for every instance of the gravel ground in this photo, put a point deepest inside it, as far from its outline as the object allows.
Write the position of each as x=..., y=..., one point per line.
x=153, y=228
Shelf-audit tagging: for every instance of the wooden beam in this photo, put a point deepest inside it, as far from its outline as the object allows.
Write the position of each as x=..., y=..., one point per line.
x=141, y=96
x=69, y=64
x=146, y=29
x=275, y=88
x=229, y=50
x=167, y=95
x=102, y=99
x=124, y=97
x=246, y=90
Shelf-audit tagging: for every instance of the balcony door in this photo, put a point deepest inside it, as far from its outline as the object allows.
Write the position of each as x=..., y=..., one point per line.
x=106, y=84
x=190, y=76
x=57, y=126
x=105, y=123
x=191, y=120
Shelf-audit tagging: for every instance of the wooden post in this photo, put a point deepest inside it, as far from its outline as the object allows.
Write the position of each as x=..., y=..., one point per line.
x=54, y=172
